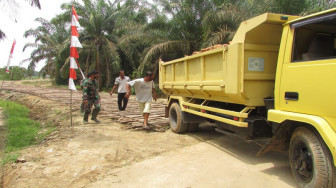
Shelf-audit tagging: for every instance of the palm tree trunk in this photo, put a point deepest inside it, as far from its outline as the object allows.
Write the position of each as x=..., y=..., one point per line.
x=99, y=84
x=97, y=57
x=87, y=64
x=108, y=72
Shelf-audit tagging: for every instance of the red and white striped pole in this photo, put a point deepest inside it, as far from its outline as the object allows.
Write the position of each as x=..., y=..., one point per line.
x=10, y=56
x=9, y=60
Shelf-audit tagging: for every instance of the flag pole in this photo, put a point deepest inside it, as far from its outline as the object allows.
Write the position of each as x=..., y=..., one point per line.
x=74, y=44
x=71, y=107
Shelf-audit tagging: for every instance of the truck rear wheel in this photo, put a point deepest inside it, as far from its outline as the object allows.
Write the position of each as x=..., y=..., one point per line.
x=310, y=160
x=176, y=119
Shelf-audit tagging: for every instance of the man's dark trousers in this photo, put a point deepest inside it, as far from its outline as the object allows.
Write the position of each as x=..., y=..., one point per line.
x=122, y=99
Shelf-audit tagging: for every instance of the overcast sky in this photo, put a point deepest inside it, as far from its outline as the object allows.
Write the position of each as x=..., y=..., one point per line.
x=25, y=17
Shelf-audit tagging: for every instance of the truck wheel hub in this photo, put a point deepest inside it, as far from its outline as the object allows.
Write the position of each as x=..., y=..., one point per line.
x=303, y=163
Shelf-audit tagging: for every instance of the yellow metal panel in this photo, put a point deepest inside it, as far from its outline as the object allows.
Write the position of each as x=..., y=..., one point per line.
x=281, y=58
x=213, y=67
x=316, y=95
x=169, y=73
x=261, y=47
x=260, y=77
x=232, y=64
x=322, y=126
x=162, y=74
x=179, y=72
x=195, y=56
x=217, y=118
x=194, y=68
x=265, y=34
x=267, y=18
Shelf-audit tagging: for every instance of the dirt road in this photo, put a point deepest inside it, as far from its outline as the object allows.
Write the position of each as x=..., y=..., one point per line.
x=111, y=154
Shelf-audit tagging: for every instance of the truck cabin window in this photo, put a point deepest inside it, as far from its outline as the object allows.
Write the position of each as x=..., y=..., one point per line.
x=314, y=39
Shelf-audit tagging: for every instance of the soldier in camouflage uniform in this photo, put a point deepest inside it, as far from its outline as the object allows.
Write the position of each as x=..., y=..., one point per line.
x=91, y=97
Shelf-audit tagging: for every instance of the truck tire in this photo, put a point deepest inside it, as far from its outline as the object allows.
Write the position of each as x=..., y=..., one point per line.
x=192, y=127
x=310, y=159
x=176, y=119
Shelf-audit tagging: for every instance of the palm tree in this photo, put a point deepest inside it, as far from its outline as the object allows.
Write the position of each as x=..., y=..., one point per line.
x=132, y=17
x=51, y=43
x=176, y=32
x=220, y=25
x=97, y=19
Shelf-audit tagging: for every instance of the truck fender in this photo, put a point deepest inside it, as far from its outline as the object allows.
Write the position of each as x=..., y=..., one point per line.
x=289, y=121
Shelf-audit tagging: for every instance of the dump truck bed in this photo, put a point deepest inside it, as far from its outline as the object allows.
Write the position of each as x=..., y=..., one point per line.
x=242, y=72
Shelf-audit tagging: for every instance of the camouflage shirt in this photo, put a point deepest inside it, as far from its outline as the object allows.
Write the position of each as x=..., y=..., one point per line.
x=90, y=89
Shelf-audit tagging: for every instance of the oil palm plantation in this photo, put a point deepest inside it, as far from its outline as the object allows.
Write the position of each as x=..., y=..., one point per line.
x=51, y=44
x=175, y=31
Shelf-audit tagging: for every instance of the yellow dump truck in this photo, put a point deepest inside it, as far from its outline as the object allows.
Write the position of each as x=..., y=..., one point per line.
x=276, y=79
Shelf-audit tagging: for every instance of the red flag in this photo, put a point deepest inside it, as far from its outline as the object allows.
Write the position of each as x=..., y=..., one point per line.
x=74, y=12
x=74, y=52
x=74, y=31
x=10, y=56
x=73, y=74
x=73, y=49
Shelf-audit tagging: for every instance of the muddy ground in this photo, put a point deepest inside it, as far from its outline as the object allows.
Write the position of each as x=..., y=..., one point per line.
x=115, y=154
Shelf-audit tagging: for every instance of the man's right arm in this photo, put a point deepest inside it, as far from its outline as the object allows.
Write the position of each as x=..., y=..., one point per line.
x=85, y=92
x=128, y=89
x=113, y=89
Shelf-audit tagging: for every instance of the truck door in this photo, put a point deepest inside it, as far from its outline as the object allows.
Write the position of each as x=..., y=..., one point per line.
x=308, y=77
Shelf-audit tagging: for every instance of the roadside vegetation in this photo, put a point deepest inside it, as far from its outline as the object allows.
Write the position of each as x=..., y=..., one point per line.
x=20, y=130
x=17, y=73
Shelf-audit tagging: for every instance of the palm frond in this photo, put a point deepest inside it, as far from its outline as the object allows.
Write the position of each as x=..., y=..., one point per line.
x=2, y=35
x=35, y=3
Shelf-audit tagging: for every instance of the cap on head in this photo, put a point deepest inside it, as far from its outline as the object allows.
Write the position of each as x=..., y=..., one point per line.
x=94, y=72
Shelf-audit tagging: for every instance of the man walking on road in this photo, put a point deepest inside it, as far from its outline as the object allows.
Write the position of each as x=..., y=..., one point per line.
x=120, y=82
x=91, y=97
x=144, y=88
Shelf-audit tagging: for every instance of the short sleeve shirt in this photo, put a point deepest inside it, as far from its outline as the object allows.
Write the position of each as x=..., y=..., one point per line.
x=122, y=84
x=143, y=90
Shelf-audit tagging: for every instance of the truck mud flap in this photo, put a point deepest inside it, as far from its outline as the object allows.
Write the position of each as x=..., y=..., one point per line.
x=278, y=142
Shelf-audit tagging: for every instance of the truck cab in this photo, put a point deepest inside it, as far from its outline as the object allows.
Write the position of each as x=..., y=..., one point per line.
x=305, y=96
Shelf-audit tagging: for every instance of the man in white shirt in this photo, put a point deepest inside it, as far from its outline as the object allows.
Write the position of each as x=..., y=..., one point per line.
x=144, y=88
x=120, y=82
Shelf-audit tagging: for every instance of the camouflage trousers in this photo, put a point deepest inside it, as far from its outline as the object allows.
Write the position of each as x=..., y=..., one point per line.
x=91, y=102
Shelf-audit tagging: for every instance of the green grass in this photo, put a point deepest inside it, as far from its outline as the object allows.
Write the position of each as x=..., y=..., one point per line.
x=21, y=131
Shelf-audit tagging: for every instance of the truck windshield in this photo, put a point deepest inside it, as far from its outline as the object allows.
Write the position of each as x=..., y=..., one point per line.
x=314, y=38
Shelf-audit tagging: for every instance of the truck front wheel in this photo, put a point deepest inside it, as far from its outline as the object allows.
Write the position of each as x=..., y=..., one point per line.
x=176, y=119
x=310, y=159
